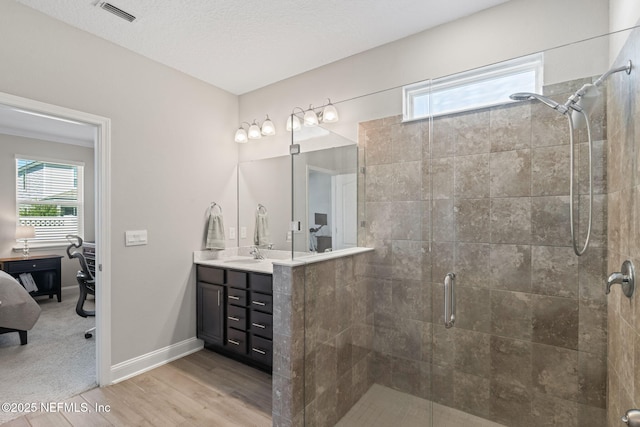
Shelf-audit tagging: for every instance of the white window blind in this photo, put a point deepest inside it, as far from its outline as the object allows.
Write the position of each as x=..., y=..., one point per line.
x=50, y=197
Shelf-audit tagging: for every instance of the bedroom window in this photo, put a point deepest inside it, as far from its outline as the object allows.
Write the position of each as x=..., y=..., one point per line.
x=49, y=196
x=479, y=88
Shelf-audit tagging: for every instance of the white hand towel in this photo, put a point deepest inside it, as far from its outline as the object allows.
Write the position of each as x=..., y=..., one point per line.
x=261, y=234
x=215, y=232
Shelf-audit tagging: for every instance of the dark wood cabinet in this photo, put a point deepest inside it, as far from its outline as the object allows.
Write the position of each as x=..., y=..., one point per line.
x=45, y=270
x=211, y=312
x=241, y=324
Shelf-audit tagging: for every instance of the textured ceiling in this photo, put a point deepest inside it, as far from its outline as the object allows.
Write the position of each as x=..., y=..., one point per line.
x=243, y=45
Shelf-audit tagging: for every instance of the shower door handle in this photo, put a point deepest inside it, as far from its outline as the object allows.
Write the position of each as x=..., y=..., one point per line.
x=449, y=300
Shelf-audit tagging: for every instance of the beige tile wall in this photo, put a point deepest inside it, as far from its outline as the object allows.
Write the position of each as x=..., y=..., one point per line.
x=490, y=193
x=623, y=172
x=321, y=351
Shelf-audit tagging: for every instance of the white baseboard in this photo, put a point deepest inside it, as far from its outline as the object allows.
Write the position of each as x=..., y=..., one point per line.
x=146, y=362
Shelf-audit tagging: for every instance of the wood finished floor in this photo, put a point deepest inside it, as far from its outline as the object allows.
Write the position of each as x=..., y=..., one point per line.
x=202, y=389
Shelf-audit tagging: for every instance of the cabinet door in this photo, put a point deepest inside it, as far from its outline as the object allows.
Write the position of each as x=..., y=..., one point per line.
x=211, y=312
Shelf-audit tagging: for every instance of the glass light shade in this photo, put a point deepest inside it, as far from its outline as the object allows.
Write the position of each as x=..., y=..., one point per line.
x=254, y=131
x=310, y=118
x=25, y=232
x=241, y=136
x=295, y=125
x=268, y=128
x=329, y=114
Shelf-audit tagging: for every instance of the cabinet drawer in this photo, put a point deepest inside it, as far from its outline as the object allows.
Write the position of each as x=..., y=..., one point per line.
x=261, y=324
x=211, y=275
x=237, y=317
x=237, y=279
x=236, y=341
x=237, y=297
x=261, y=302
x=262, y=350
x=262, y=283
x=29, y=265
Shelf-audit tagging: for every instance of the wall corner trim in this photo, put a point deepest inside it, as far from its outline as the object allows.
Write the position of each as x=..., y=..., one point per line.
x=138, y=365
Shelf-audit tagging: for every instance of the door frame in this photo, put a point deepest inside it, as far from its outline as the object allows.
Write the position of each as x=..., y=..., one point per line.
x=102, y=159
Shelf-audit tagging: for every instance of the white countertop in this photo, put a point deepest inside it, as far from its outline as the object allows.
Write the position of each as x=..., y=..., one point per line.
x=243, y=263
x=235, y=258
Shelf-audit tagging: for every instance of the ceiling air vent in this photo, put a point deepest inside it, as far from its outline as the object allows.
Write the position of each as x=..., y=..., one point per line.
x=117, y=11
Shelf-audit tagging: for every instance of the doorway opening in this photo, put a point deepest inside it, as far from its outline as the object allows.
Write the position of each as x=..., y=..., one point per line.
x=38, y=120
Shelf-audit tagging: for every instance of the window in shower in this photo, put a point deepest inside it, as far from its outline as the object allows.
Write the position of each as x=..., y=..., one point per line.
x=478, y=88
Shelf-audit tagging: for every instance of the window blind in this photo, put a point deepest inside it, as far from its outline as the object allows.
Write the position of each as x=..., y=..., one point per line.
x=49, y=196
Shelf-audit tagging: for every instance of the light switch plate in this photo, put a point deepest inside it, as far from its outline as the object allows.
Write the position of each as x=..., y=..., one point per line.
x=135, y=237
x=232, y=233
x=243, y=232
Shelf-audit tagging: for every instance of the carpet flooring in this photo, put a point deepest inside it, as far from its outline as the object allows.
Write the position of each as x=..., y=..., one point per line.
x=57, y=362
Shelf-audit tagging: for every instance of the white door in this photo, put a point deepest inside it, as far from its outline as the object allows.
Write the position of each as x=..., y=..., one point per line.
x=345, y=215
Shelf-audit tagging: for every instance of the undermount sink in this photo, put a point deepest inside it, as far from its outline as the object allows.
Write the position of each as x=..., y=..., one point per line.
x=244, y=261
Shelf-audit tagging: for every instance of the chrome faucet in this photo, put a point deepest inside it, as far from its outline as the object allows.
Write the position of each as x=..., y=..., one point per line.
x=624, y=278
x=256, y=253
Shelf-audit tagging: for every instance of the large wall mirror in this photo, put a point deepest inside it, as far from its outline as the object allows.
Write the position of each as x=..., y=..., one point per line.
x=264, y=197
x=324, y=196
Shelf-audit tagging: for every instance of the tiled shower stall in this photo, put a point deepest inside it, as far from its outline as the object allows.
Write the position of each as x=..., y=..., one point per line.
x=483, y=194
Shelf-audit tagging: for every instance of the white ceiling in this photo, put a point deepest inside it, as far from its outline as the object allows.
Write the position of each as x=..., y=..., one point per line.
x=243, y=45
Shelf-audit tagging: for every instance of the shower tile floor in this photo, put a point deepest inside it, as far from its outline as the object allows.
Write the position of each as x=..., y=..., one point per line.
x=384, y=407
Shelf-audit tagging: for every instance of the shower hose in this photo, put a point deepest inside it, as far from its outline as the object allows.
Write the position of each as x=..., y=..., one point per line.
x=577, y=251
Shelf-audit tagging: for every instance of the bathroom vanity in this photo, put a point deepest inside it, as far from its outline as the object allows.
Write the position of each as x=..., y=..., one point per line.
x=235, y=309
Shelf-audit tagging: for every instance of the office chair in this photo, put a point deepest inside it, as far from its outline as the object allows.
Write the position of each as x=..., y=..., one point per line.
x=86, y=281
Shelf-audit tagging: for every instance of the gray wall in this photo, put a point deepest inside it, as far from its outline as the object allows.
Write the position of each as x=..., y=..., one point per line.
x=9, y=147
x=172, y=154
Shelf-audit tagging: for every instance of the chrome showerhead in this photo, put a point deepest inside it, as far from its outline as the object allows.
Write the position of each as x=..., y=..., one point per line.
x=528, y=96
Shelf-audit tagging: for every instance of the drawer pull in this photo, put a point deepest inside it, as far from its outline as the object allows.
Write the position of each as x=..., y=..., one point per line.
x=234, y=342
x=258, y=325
x=257, y=350
x=235, y=319
x=34, y=266
x=234, y=297
x=258, y=303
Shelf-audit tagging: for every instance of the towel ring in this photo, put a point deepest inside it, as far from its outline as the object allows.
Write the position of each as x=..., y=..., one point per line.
x=261, y=209
x=214, y=205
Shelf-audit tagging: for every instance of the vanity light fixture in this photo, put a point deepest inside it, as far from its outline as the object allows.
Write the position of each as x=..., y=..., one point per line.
x=326, y=114
x=329, y=113
x=310, y=118
x=293, y=122
x=254, y=130
x=241, y=134
x=268, y=128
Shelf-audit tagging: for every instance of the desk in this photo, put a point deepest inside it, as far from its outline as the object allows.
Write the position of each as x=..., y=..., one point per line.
x=45, y=270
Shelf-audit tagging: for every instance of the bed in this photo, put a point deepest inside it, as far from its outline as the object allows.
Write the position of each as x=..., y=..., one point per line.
x=19, y=312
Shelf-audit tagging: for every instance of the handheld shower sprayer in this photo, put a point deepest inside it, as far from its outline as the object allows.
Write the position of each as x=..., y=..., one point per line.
x=526, y=96
x=577, y=109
